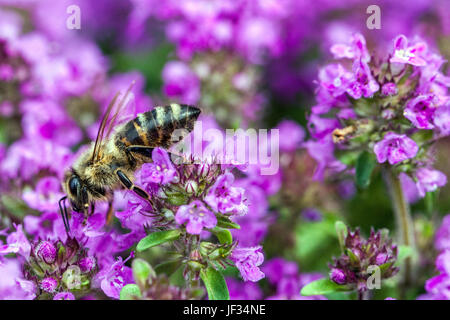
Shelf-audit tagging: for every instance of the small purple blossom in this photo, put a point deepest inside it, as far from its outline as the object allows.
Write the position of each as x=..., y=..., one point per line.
x=247, y=261
x=420, y=111
x=395, y=148
x=87, y=264
x=442, y=119
x=363, y=84
x=225, y=198
x=181, y=82
x=197, y=217
x=428, y=180
x=160, y=171
x=442, y=236
x=114, y=277
x=409, y=54
x=389, y=89
x=64, y=296
x=17, y=242
x=291, y=135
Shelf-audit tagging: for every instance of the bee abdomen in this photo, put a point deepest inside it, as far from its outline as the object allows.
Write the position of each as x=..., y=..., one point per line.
x=155, y=128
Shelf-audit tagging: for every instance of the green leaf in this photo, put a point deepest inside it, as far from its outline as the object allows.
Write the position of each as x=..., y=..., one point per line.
x=130, y=292
x=142, y=270
x=156, y=238
x=215, y=284
x=364, y=167
x=341, y=230
x=226, y=223
x=224, y=235
x=322, y=286
x=177, y=278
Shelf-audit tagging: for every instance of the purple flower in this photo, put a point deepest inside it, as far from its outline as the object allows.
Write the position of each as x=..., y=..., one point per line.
x=45, y=196
x=409, y=54
x=442, y=237
x=197, y=217
x=160, y=171
x=113, y=277
x=277, y=268
x=12, y=284
x=291, y=135
x=356, y=50
x=420, y=111
x=87, y=264
x=334, y=80
x=363, y=83
x=395, y=148
x=64, y=296
x=442, y=119
x=428, y=180
x=17, y=242
x=409, y=188
x=181, y=82
x=49, y=284
x=389, y=89
x=224, y=198
x=322, y=152
x=247, y=261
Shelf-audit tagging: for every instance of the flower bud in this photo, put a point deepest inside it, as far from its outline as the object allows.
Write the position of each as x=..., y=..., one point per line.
x=46, y=251
x=389, y=89
x=191, y=187
x=381, y=258
x=87, y=264
x=338, y=276
x=49, y=284
x=71, y=277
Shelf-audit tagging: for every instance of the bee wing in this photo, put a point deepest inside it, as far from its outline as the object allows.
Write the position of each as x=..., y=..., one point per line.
x=125, y=111
x=121, y=114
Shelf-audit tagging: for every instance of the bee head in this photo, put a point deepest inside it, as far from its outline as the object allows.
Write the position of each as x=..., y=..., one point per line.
x=77, y=192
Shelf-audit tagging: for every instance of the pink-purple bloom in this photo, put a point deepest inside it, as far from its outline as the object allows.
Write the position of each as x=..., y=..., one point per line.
x=225, y=198
x=407, y=53
x=160, y=171
x=248, y=260
x=196, y=216
x=428, y=180
x=420, y=111
x=395, y=148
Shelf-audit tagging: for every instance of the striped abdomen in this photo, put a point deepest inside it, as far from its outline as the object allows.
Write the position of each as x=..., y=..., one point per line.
x=154, y=128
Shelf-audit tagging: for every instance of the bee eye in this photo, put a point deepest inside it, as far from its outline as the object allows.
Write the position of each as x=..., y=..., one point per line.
x=74, y=185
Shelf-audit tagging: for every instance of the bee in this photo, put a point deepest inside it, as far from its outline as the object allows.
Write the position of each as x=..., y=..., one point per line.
x=119, y=150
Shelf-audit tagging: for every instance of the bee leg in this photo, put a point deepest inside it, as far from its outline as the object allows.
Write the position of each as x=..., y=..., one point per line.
x=64, y=214
x=130, y=186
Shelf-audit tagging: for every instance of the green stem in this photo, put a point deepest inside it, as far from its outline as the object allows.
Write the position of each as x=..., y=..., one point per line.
x=405, y=227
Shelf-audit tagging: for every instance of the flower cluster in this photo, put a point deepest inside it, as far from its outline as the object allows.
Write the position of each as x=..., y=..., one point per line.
x=395, y=106
x=51, y=268
x=354, y=267
x=194, y=198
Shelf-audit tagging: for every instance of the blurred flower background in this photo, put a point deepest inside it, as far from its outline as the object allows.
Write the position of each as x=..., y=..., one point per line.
x=247, y=64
